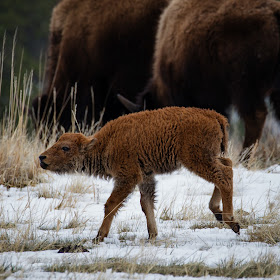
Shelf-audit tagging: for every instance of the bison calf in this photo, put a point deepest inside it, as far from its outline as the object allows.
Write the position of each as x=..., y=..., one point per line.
x=135, y=147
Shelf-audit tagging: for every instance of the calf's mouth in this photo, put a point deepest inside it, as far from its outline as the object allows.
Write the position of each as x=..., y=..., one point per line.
x=42, y=163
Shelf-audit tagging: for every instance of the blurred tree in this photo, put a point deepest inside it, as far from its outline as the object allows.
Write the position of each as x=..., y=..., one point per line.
x=30, y=18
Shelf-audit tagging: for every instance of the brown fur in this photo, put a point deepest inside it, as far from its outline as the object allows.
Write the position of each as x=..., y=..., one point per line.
x=135, y=147
x=106, y=46
x=218, y=53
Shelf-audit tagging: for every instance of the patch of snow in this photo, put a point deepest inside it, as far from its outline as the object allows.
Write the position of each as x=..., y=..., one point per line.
x=181, y=196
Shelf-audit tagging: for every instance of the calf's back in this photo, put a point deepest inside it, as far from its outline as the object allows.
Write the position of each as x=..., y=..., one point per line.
x=155, y=141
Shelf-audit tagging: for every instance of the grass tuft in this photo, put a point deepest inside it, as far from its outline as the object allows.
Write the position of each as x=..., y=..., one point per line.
x=264, y=266
x=264, y=233
x=262, y=155
x=205, y=224
x=23, y=243
x=67, y=200
x=7, y=269
x=18, y=154
x=48, y=191
x=7, y=225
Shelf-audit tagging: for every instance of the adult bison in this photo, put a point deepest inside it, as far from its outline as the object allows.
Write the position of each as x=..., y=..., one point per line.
x=105, y=46
x=218, y=53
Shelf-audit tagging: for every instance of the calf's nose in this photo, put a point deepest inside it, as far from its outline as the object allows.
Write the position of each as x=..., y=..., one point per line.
x=42, y=158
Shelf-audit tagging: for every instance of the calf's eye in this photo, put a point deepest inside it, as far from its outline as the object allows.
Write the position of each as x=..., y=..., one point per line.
x=65, y=149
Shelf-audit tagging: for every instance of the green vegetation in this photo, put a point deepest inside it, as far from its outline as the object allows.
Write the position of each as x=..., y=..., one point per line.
x=29, y=20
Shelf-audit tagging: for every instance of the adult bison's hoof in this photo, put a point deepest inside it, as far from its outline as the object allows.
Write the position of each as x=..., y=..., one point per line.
x=73, y=249
x=236, y=228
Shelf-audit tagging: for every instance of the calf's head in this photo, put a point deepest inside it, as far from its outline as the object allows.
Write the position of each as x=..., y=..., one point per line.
x=68, y=154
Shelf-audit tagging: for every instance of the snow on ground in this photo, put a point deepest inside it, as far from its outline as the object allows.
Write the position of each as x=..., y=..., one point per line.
x=182, y=202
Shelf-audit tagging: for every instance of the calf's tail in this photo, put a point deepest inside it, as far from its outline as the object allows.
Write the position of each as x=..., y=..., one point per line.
x=224, y=128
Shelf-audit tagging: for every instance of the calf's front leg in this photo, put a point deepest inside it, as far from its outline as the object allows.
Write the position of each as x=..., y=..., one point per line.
x=119, y=194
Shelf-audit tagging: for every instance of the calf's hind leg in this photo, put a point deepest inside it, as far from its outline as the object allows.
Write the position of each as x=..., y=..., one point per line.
x=221, y=175
x=216, y=198
x=214, y=204
x=147, y=190
x=219, y=172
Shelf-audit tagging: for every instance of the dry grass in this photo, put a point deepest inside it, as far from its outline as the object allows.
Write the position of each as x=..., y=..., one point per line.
x=19, y=146
x=77, y=223
x=264, y=266
x=77, y=186
x=48, y=191
x=126, y=232
x=268, y=149
x=265, y=153
x=124, y=227
x=265, y=228
x=265, y=233
x=204, y=224
x=18, y=165
x=7, y=269
x=18, y=154
x=7, y=225
x=27, y=241
x=191, y=209
x=67, y=200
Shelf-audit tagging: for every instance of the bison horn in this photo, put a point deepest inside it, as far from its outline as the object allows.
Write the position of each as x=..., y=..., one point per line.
x=130, y=106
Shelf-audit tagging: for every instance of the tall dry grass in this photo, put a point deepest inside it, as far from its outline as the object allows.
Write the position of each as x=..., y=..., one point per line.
x=18, y=151
x=20, y=145
x=265, y=266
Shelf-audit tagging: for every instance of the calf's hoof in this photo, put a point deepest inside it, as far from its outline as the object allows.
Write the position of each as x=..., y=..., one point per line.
x=97, y=240
x=235, y=227
x=219, y=217
x=152, y=236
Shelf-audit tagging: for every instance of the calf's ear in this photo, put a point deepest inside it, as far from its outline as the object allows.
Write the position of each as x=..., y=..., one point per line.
x=90, y=144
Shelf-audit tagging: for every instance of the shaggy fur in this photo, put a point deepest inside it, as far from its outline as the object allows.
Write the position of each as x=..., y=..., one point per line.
x=106, y=46
x=218, y=53
x=135, y=147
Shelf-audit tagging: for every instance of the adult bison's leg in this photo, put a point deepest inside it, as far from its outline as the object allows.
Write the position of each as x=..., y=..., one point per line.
x=147, y=190
x=254, y=123
x=120, y=192
x=275, y=100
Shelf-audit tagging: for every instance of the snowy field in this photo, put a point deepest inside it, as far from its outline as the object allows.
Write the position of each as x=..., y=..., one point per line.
x=71, y=208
